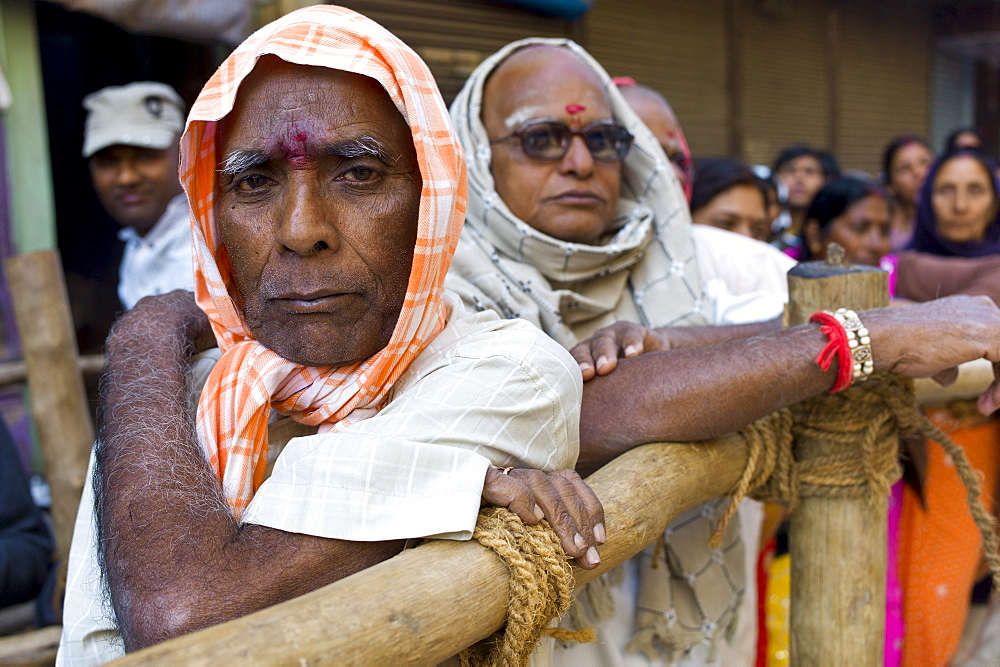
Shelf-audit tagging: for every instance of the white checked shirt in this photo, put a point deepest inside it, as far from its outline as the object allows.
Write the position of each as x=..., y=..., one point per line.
x=485, y=391
x=160, y=261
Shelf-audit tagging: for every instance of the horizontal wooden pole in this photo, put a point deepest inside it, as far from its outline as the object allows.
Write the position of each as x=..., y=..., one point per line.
x=427, y=604
x=14, y=372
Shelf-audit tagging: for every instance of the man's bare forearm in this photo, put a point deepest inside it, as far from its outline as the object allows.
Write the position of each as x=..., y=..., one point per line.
x=680, y=337
x=174, y=558
x=702, y=392
x=696, y=393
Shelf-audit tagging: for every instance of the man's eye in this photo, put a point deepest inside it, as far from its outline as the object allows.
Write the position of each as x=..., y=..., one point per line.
x=362, y=174
x=251, y=182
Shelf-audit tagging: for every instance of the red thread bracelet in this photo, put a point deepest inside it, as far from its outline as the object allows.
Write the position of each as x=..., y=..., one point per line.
x=837, y=347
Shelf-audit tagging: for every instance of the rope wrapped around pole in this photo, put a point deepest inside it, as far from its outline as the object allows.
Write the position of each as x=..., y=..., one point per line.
x=541, y=587
x=856, y=420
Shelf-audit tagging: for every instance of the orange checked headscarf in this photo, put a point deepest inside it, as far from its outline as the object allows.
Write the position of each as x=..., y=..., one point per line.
x=250, y=379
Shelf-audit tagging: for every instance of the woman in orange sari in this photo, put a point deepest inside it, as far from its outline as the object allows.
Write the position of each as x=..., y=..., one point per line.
x=956, y=245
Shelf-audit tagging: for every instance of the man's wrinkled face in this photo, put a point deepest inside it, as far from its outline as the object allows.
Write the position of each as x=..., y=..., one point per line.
x=135, y=183
x=572, y=198
x=318, y=198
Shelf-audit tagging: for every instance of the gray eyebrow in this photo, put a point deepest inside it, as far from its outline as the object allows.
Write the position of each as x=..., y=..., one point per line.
x=359, y=147
x=239, y=160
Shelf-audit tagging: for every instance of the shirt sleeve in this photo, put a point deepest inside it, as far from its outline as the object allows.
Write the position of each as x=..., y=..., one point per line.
x=503, y=394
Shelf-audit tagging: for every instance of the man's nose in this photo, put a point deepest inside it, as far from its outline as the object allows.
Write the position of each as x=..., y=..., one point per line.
x=306, y=227
x=128, y=174
x=578, y=160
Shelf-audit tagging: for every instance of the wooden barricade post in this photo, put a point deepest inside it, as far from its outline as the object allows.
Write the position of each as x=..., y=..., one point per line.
x=837, y=544
x=58, y=400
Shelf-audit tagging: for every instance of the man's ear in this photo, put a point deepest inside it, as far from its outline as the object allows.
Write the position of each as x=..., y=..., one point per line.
x=813, y=236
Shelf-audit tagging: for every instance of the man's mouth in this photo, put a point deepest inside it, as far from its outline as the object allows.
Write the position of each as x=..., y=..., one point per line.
x=131, y=198
x=317, y=301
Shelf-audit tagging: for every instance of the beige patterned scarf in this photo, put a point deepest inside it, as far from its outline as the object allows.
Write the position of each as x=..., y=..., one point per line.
x=645, y=272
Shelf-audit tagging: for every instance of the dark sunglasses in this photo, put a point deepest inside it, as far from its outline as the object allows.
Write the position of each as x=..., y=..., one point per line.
x=606, y=140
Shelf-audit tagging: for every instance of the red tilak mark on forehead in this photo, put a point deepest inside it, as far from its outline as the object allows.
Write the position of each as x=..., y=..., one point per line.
x=575, y=108
x=294, y=149
x=671, y=134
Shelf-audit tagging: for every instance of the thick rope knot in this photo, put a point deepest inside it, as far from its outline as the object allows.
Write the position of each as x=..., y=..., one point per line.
x=541, y=587
x=859, y=428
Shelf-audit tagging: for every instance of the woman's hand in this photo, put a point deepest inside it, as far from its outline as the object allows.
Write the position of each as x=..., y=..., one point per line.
x=561, y=497
x=621, y=339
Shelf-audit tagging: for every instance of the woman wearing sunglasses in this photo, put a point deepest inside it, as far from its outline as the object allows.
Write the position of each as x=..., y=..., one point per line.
x=577, y=220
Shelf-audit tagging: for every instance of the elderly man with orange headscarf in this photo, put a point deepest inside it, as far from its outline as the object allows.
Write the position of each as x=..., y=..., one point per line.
x=327, y=194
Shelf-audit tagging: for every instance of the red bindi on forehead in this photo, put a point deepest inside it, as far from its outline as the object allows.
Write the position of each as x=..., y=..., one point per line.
x=294, y=150
x=573, y=109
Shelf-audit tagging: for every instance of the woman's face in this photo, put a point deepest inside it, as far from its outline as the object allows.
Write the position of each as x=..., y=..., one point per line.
x=862, y=230
x=573, y=198
x=739, y=209
x=803, y=176
x=963, y=200
x=908, y=169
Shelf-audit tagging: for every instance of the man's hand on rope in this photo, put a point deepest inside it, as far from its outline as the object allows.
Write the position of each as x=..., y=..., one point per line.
x=561, y=497
x=931, y=339
x=599, y=353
